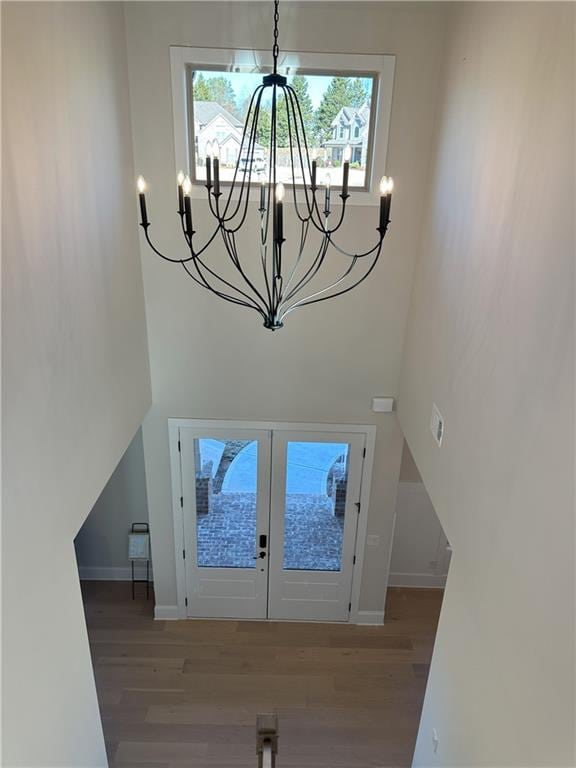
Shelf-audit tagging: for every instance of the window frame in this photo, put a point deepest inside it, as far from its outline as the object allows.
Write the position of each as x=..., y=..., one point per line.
x=379, y=66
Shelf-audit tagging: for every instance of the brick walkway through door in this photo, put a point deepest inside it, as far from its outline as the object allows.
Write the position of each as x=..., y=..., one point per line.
x=227, y=534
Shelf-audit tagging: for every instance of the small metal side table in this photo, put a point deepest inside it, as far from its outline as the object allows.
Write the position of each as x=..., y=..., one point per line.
x=139, y=550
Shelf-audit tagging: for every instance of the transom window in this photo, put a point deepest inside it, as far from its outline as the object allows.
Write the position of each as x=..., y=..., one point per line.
x=344, y=99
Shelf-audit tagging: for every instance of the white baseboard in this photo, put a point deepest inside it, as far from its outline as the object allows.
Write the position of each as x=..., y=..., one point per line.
x=171, y=612
x=369, y=617
x=98, y=573
x=166, y=612
x=429, y=580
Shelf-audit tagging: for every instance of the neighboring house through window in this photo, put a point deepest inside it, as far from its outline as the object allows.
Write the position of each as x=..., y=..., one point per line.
x=355, y=123
x=213, y=122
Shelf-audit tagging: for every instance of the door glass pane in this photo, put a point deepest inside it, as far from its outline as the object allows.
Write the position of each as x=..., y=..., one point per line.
x=316, y=483
x=226, y=485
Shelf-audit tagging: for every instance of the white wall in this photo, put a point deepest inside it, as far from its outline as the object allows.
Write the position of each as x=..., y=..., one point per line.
x=420, y=555
x=102, y=542
x=212, y=360
x=75, y=366
x=491, y=342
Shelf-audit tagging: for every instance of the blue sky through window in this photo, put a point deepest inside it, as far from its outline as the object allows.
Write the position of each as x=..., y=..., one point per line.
x=244, y=83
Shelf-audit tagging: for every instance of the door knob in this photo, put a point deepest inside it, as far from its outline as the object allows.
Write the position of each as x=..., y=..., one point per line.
x=257, y=557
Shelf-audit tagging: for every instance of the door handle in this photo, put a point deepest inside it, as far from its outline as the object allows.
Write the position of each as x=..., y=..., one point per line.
x=263, y=541
x=258, y=557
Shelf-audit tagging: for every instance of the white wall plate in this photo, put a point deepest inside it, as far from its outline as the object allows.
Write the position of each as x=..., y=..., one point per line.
x=382, y=404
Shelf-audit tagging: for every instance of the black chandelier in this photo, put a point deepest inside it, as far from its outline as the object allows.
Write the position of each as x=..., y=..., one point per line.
x=281, y=287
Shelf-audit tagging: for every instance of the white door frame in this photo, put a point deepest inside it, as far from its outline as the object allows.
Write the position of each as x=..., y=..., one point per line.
x=174, y=425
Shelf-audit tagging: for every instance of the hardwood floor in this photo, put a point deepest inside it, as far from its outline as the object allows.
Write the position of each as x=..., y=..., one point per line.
x=186, y=693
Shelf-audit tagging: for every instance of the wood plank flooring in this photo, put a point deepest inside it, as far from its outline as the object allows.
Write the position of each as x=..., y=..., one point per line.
x=186, y=693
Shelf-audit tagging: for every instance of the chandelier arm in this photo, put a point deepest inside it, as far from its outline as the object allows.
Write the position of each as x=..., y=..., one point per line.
x=265, y=211
x=312, y=270
x=268, y=269
x=342, y=214
x=264, y=251
x=291, y=98
x=331, y=231
x=194, y=257
x=230, y=243
x=355, y=258
x=303, y=237
x=309, y=300
x=319, y=225
x=156, y=251
x=247, y=169
x=203, y=282
x=357, y=255
x=272, y=160
x=312, y=207
x=275, y=274
x=291, y=117
x=244, y=185
x=278, y=280
x=188, y=239
x=263, y=222
x=229, y=238
x=206, y=244
x=323, y=290
x=272, y=157
x=224, y=296
x=276, y=306
x=215, y=206
x=197, y=261
x=211, y=203
x=309, y=274
x=263, y=259
x=271, y=193
x=183, y=225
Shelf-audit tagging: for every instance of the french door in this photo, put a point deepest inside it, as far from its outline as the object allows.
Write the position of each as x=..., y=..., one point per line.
x=269, y=521
x=225, y=504
x=313, y=534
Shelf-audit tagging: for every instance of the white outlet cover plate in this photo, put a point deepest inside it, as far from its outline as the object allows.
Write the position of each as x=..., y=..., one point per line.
x=382, y=404
x=437, y=424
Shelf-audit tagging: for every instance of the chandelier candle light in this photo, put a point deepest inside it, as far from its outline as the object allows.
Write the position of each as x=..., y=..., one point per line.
x=282, y=287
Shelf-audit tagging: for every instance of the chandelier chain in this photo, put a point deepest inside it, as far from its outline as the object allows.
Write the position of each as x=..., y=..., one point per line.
x=275, y=47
